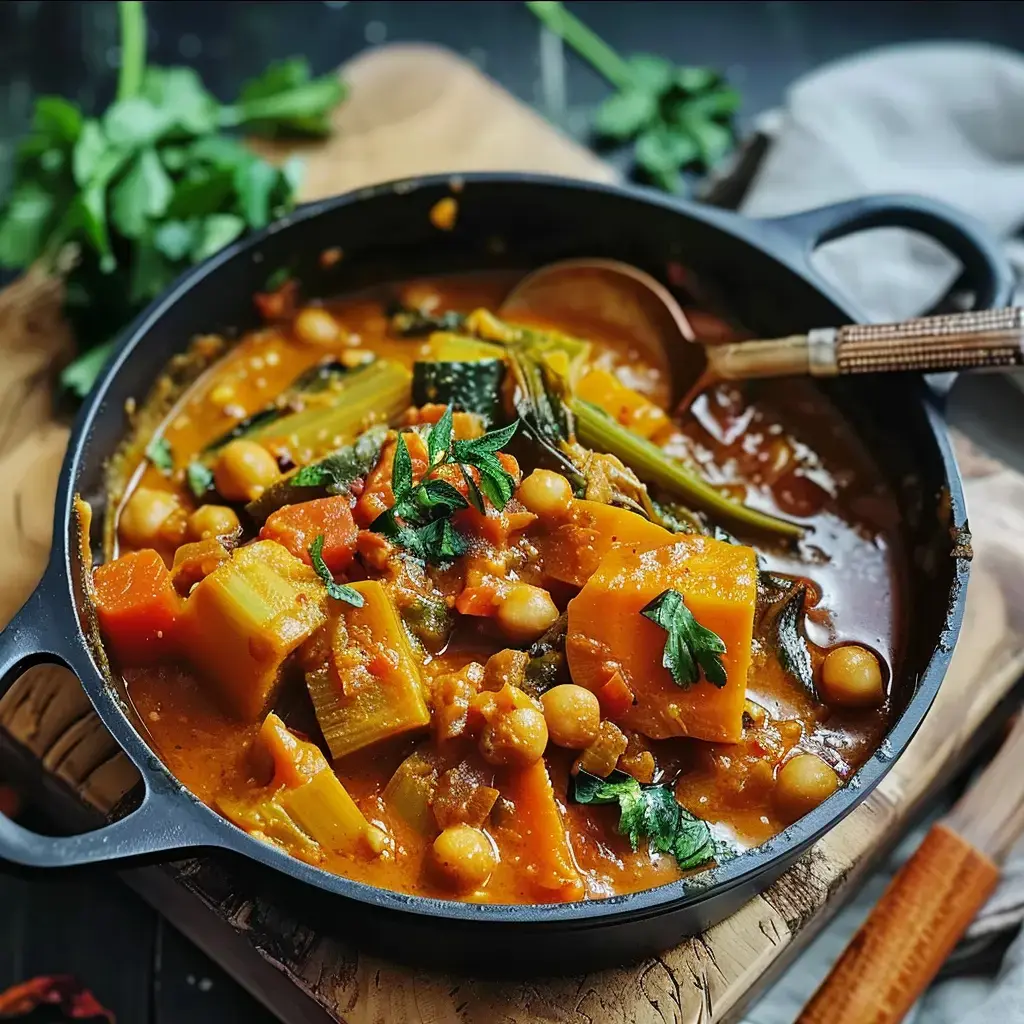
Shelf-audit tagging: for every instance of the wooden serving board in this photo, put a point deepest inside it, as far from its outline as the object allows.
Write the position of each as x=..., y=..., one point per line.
x=413, y=110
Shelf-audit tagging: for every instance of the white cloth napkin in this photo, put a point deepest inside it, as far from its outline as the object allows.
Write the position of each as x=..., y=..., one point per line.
x=945, y=121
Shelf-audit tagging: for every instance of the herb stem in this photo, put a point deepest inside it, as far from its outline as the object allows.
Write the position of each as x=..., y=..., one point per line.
x=590, y=46
x=133, y=48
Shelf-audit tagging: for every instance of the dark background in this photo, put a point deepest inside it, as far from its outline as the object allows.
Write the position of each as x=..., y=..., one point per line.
x=92, y=926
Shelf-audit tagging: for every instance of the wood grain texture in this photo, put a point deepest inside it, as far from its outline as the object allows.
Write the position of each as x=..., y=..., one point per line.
x=416, y=110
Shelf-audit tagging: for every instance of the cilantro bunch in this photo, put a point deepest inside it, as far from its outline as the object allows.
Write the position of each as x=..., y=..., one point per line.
x=676, y=117
x=152, y=185
x=420, y=519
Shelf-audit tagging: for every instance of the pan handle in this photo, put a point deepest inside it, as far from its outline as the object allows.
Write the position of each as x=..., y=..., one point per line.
x=162, y=821
x=986, y=270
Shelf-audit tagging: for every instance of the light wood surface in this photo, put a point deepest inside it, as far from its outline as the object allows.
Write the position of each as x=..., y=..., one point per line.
x=414, y=110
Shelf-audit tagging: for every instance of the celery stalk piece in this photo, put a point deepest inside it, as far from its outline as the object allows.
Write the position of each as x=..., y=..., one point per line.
x=243, y=621
x=597, y=430
x=377, y=393
x=324, y=809
x=370, y=690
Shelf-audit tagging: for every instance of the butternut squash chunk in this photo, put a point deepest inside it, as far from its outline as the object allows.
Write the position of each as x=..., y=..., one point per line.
x=243, y=621
x=541, y=843
x=632, y=410
x=371, y=689
x=607, y=633
x=573, y=551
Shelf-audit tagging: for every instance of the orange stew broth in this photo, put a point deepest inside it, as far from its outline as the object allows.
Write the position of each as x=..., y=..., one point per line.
x=781, y=448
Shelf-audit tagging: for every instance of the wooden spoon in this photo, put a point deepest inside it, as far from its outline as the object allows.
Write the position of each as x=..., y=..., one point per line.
x=929, y=904
x=606, y=293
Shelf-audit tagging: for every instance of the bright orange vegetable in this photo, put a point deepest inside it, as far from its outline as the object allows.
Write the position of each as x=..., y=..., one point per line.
x=628, y=407
x=573, y=551
x=545, y=856
x=615, y=696
x=138, y=607
x=607, y=632
x=297, y=526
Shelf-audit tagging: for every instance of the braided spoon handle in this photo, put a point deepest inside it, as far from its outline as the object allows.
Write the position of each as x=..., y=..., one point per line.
x=984, y=339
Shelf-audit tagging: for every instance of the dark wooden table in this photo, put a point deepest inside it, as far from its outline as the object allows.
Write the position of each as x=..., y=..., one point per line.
x=90, y=925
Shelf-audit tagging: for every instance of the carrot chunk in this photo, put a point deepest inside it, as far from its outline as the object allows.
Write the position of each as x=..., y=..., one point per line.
x=295, y=527
x=542, y=844
x=137, y=606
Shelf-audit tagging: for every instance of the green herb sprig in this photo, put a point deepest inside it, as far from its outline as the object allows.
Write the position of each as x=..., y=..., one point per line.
x=159, y=453
x=689, y=647
x=676, y=117
x=654, y=814
x=151, y=186
x=338, y=591
x=420, y=519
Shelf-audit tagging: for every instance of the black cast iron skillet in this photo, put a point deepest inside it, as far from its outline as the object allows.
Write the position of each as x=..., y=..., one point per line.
x=513, y=220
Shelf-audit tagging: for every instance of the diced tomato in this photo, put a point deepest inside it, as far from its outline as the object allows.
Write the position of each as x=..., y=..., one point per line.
x=377, y=494
x=137, y=607
x=297, y=526
x=481, y=600
x=615, y=697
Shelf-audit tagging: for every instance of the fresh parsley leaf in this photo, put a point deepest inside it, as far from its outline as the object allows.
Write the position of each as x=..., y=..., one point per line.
x=135, y=122
x=623, y=114
x=338, y=591
x=255, y=183
x=27, y=220
x=200, y=478
x=79, y=376
x=688, y=644
x=338, y=470
x=419, y=519
x=493, y=441
x=439, y=493
x=143, y=194
x=158, y=451
x=439, y=440
x=650, y=812
x=218, y=230
x=476, y=499
x=401, y=469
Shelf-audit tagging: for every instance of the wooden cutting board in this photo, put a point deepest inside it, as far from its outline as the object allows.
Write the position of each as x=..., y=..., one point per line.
x=413, y=110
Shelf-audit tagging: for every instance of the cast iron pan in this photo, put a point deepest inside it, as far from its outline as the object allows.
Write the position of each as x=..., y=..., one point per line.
x=513, y=220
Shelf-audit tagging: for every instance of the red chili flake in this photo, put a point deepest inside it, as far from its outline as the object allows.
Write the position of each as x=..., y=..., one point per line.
x=10, y=801
x=61, y=992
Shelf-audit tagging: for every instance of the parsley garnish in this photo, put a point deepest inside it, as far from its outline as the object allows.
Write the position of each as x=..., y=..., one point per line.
x=200, y=478
x=158, y=451
x=688, y=644
x=651, y=813
x=419, y=519
x=150, y=186
x=676, y=116
x=336, y=590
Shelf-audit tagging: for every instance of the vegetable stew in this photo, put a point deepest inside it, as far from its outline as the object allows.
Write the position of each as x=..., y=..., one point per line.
x=457, y=607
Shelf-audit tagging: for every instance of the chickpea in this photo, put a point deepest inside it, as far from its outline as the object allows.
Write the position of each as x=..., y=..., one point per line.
x=244, y=470
x=547, y=494
x=516, y=738
x=573, y=715
x=212, y=521
x=315, y=326
x=464, y=856
x=526, y=613
x=803, y=782
x=144, y=515
x=852, y=677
